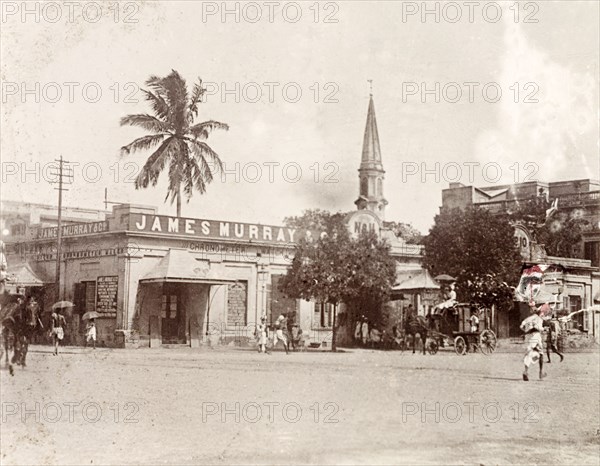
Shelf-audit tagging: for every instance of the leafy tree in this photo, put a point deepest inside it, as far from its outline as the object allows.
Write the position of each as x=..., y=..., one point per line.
x=478, y=248
x=335, y=267
x=181, y=142
x=405, y=231
x=560, y=234
x=316, y=220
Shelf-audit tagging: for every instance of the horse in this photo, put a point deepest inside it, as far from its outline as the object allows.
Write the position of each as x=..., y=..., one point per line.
x=21, y=318
x=417, y=324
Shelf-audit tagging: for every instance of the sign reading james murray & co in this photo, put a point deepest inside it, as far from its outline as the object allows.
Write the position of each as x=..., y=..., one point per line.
x=78, y=229
x=216, y=229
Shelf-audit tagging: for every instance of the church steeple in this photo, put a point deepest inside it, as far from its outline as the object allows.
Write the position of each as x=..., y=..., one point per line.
x=371, y=173
x=371, y=151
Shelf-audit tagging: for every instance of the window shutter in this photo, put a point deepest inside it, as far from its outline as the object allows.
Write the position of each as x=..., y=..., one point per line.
x=79, y=297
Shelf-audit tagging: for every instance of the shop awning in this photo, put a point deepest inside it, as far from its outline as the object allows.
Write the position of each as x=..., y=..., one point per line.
x=23, y=275
x=179, y=265
x=419, y=282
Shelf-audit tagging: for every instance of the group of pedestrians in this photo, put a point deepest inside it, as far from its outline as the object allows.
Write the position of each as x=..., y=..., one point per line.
x=283, y=331
x=367, y=334
x=59, y=325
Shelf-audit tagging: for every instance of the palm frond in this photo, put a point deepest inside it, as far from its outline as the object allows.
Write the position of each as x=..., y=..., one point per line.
x=143, y=143
x=197, y=177
x=154, y=165
x=147, y=122
x=193, y=176
x=204, y=154
x=159, y=106
x=155, y=82
x=208, y=168
x=202, y=130
x=197, y=93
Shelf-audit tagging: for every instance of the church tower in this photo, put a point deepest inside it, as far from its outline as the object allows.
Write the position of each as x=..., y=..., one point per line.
x=371, y=173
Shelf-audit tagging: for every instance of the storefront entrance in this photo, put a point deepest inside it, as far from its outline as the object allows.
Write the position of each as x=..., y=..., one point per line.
x=172, y=316
x=173, y=300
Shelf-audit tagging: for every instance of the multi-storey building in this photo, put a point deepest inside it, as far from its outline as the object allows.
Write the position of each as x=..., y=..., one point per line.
x=574, y=198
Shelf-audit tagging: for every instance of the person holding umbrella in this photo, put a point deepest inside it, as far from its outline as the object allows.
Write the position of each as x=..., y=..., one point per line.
x=90, y=328
x=90, y=333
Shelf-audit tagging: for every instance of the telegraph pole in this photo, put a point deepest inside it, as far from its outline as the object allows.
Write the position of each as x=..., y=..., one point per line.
x=61, y=175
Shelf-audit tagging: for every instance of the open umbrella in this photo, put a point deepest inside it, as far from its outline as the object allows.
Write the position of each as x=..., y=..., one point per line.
x=90, y=315
x=62, y=305
x=445, y=278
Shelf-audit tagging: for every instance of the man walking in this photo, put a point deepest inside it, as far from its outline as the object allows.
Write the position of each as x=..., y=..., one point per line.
x=279, y=335
x=533, y=327
x=58, y=332
x=552, y=342
x=261, y=334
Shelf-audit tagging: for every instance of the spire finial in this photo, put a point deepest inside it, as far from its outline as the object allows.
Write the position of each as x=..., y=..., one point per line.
x=370, y=87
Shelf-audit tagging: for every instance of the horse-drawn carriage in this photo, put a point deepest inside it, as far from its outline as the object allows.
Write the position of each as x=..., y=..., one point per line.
x=452, y=326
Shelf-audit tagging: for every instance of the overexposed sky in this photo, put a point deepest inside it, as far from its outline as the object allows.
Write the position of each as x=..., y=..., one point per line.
x=550, y=67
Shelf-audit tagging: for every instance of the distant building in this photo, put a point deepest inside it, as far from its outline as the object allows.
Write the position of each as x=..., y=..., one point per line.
x=571, y=195
x=579, y=198
x=577, y=286
x=16, y=216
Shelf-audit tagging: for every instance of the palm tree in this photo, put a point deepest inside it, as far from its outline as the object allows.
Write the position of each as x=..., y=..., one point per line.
x=192, y=162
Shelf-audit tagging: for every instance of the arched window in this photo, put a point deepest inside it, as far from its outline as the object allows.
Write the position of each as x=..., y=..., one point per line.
x=379, y=187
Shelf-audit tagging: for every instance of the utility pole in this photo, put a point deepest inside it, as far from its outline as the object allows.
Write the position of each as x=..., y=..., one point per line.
x=61, y=175
x=106, y=201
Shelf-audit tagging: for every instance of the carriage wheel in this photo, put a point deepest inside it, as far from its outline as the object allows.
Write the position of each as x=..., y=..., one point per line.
x=488, y=342
x=460, y=346
x=433, y=347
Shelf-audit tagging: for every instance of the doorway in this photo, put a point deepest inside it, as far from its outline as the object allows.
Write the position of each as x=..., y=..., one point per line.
x=172, y=316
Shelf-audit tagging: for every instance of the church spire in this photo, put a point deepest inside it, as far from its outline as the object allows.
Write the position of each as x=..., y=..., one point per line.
x=371, y=173
x=371, y=151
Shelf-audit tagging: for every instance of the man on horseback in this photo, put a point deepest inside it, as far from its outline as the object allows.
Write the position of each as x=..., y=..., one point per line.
x=21, y=319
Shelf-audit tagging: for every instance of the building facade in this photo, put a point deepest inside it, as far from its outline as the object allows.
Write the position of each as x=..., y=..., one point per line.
x=573, y=199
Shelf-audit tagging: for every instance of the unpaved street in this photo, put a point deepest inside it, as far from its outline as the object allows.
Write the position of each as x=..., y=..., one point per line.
x=184, y=406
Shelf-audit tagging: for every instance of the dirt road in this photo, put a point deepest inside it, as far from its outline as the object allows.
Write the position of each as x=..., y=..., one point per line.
x=172, y=406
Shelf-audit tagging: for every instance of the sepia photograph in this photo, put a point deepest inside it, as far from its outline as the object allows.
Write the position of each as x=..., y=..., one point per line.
x=356, y=232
